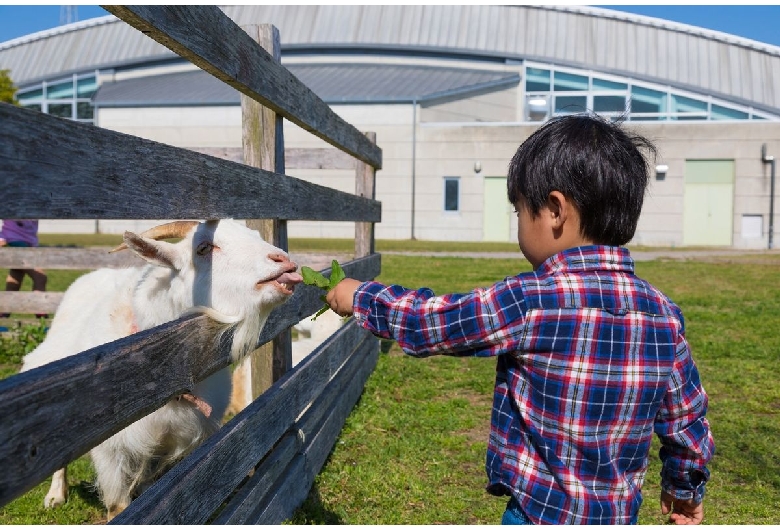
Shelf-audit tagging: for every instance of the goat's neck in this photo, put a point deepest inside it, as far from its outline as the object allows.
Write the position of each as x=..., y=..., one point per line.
x=161, y=295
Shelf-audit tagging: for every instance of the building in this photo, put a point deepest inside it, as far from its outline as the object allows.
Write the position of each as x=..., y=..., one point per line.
x=451, y=91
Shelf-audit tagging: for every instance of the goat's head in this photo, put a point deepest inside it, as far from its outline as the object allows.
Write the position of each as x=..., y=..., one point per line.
x=227, y=266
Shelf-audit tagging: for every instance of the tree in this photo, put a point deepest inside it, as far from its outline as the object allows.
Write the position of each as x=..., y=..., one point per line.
x=7, y=88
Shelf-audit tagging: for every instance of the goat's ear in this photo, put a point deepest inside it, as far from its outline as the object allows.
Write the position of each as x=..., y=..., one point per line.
x=160, y=253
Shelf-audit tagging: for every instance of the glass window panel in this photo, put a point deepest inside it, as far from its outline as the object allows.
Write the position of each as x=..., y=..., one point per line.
x=86, y=87
x=451, y=186
x=603, y=84
x=725, y=113
x=537, y=80
x=570, y=104
x=609, y=103
x=33, y=106
x=566, y=82
x=537, y=108
x=60, y=90
x=646, y=100
x=683, y=104
x=62, y=110
x=29, y=94
x=754, y=117
x=84, y=111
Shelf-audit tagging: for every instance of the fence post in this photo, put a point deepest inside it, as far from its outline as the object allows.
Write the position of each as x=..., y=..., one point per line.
x=365, y=184
x=263, y=143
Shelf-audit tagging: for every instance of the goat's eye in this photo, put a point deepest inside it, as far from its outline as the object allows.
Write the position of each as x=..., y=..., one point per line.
x=204, y=248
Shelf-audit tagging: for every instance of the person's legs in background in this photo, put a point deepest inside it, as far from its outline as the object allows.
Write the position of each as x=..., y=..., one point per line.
x=13, y=282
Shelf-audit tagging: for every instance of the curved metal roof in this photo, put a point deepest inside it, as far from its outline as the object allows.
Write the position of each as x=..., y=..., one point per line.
x=644, y=48
x=333, y=83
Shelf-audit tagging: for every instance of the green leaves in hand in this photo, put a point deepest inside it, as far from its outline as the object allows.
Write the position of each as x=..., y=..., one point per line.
x=312, y=277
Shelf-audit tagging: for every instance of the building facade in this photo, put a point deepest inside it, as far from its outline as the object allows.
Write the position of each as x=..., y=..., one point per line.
x=451, y=91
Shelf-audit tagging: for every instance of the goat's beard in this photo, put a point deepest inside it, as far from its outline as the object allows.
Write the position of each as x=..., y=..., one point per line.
x=245, y=329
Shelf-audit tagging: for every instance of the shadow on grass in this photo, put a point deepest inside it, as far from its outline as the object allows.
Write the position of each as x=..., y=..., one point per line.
x=87, y=492
x=312, y=511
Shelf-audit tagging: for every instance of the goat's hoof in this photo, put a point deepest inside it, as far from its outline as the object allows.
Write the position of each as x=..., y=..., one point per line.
x=52, y=501
x=115, y=510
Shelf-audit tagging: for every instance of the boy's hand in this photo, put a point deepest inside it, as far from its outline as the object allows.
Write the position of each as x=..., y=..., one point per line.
x=340, y=297
x=683, y=512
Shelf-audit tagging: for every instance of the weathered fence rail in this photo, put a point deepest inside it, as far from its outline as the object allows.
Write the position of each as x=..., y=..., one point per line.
x=260, y=466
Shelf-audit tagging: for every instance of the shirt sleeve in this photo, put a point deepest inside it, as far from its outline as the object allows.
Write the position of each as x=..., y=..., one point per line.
x=484, y=322
x=681, y=425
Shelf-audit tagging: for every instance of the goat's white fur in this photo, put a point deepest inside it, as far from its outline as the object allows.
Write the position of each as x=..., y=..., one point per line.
x=220, y=269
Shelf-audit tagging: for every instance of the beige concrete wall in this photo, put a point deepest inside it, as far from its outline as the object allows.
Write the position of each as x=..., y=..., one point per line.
x=446, y=149
x=662, y=215
x=177, y=126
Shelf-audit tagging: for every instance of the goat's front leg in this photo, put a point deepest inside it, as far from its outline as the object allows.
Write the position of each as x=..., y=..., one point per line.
x=58, y=492
x=115, y=510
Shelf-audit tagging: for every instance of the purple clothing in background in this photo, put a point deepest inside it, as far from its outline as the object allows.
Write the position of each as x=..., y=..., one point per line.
x=24, y=230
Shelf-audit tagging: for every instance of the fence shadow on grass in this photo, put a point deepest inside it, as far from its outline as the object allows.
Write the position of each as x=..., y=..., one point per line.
x=313, y=511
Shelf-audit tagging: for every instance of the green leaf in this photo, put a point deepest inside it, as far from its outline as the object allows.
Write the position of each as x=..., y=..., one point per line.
x=312, y=277
x=336, y=274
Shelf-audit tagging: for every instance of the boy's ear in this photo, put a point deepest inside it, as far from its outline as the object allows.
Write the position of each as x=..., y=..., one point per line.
x=558, y=208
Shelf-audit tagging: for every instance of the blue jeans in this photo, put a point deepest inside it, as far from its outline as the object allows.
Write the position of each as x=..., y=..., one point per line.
x=514, y=514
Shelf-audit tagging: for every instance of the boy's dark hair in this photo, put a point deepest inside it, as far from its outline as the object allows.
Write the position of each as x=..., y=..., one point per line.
x=595, y=163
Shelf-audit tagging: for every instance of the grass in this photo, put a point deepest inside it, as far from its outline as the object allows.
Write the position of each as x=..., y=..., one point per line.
x=413, y=449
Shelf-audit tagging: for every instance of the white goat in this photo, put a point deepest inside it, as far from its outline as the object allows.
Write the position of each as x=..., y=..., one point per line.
x=221, y=268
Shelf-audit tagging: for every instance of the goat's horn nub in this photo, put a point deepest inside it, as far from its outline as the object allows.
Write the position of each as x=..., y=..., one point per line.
x=168, y=230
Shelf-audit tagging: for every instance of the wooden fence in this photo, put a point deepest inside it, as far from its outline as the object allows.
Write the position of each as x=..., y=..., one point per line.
x=260, y=466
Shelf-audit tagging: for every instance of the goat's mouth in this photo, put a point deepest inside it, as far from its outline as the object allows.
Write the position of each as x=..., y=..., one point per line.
x=284, y=282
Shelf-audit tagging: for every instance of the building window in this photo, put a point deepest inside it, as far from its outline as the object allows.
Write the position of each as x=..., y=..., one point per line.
x=66, y=98
x=723, y=113
x=570, y=104
x=451, y=194
x=555, y=91
x=537, y=80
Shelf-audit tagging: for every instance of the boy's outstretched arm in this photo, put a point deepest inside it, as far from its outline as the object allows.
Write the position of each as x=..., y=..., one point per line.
x=682, y=511
x=340, y=297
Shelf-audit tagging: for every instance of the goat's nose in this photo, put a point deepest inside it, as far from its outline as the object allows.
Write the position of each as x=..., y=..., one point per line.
x=278, y=258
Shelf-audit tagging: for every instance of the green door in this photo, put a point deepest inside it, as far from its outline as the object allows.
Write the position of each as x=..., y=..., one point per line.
x=708, y=203
x=497, y=216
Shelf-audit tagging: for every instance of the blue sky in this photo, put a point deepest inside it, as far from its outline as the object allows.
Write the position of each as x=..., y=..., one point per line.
x=757, y=22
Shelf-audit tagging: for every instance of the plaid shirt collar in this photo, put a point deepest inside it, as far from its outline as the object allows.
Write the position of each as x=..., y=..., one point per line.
x=591, y=257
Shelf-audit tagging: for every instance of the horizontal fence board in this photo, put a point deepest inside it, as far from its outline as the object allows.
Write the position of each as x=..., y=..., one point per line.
x=322, y=431
x=317, y=158
x=50, y=427
x=294, y=157
x=95, y=173
x=98, y=258
x=303, y=303
x=306, y=299
x=248, y=503
x=265, y=475
x=66, y=258
x=213, y=470
x=30, y=301
x=208, y=38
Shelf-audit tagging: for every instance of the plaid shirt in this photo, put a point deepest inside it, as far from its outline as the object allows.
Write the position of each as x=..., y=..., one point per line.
x=591, y=361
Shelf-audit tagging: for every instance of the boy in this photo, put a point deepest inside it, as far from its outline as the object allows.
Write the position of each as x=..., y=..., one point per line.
x=591, y=359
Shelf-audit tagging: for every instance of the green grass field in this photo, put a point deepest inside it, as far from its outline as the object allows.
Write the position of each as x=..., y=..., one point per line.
x=412, y=451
